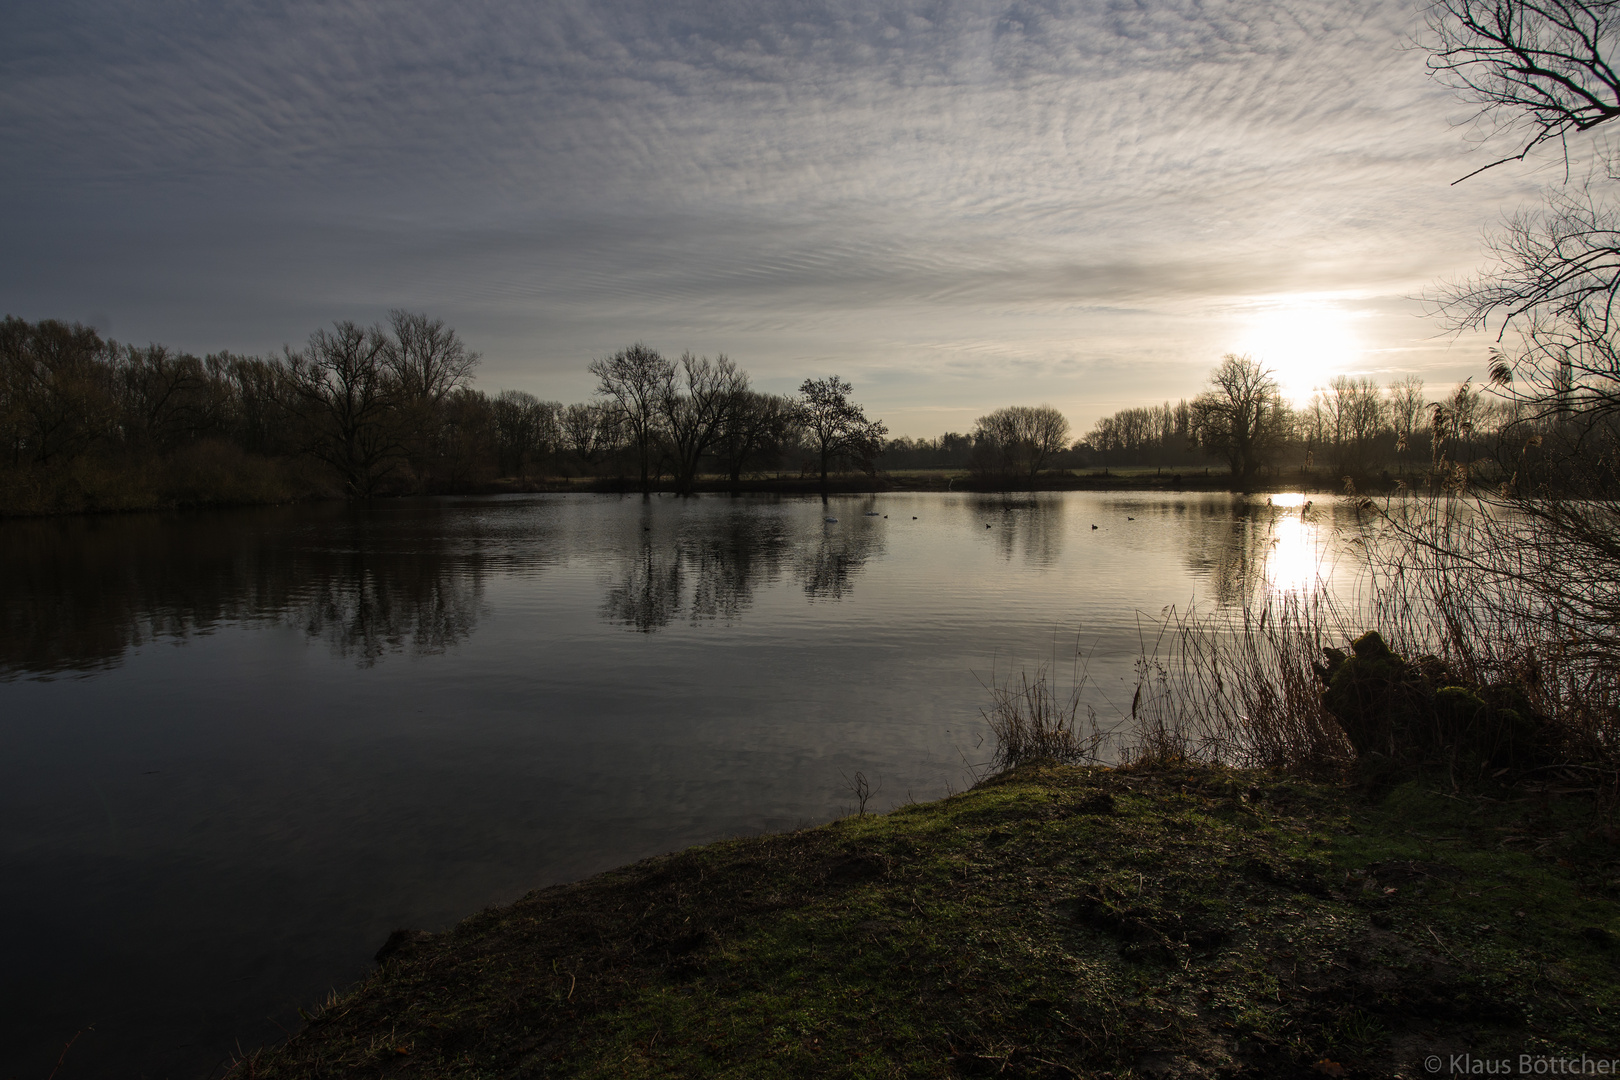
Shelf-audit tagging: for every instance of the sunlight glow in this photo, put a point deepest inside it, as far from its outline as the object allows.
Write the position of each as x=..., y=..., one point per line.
x=1295, y=561
x=1304, y=342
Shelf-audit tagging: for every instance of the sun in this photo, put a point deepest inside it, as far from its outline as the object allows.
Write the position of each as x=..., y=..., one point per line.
x=1304, y=342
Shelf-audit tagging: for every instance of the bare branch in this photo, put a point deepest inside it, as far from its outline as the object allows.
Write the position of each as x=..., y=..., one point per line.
x=1538, y=70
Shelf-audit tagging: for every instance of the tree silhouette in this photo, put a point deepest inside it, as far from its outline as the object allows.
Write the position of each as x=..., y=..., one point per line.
x=836, y=425
x=1019, y=440
x=1241, y=417
x=638, y=380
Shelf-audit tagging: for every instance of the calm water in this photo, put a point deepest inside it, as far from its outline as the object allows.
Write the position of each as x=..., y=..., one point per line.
x=237, y=749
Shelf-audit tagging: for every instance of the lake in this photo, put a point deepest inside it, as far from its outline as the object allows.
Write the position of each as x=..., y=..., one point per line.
x=237, y=749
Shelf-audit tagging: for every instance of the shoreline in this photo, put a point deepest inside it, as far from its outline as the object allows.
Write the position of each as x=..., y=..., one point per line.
x=1050, y=921
x=943, y=482
x=1120, y=482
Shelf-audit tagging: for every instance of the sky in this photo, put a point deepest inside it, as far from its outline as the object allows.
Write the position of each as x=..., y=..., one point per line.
x=954, y=206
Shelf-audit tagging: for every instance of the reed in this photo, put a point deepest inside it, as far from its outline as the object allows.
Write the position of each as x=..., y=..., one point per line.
x=1032, y=720
x=1242, y=685
x=1499, y=601
x=1237, y=687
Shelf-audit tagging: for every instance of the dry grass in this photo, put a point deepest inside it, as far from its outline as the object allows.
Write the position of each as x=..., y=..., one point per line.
x=1032, y=720
x=1498, y=601
x=1239, y=685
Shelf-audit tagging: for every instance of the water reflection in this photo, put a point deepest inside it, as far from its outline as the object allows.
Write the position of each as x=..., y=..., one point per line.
x=650, y=593
x=78, y=594
x=1281, y=544
x=1028, y=529
x=826, y=567
x=1294, y=563
x=649, y=674
x=410, y=578
x=730, y=562
x=376, y=606
x=711, y=568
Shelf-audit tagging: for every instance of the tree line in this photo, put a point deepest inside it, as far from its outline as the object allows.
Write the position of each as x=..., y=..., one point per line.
x=360, y=411
x=88, y=422
x=1351, y=427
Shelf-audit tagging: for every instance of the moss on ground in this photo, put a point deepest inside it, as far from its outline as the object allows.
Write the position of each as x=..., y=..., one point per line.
x=1052, y=922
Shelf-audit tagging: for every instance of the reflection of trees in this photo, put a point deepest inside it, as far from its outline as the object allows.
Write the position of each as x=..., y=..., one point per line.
x=727, y=565
x=1029, y=526
x=79, y=592
x=1227, y=547
x=711, y=571
x=724, y=560
x=650, y=593
x=371, y=610
x=826, y=566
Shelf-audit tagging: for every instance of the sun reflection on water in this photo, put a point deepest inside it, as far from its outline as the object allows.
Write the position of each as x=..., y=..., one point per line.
x=1294, y=563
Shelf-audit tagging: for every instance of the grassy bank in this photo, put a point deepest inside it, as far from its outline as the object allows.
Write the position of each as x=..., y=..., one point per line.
x=1052, y=922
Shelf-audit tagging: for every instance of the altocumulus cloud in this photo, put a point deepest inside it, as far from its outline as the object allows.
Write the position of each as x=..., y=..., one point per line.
x=959, y=205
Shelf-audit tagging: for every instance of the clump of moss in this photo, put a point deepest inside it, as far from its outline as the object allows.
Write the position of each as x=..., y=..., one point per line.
x=1418, y=709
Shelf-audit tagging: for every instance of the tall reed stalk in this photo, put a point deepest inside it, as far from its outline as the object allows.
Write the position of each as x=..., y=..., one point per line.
x=1032, y=720
x=1239, y=684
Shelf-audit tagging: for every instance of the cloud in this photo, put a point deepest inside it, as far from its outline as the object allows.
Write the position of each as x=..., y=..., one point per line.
x=559, y=178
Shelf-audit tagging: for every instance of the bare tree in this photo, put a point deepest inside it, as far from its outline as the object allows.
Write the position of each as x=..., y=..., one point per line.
x=429, y=364
x=163, y=396
x=1556, y=269
x=426, y=357
x=1241, y=417
x=526, y=430
x=591, y=430
x=695, y=415
x=348, y=398
x=1540, y=71
x=836, y=425
x=1406, y=403
x=1020, y=439
x=1153, y=435
x=1328, y=408
x=464, y=437
x=759, y=425
x=55, y=394
x=1313, y=426
x=1357, y=412
x=1406, y=408
x=638, y=380
x=259, y=402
